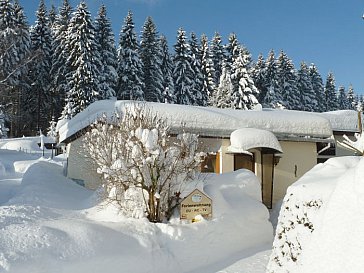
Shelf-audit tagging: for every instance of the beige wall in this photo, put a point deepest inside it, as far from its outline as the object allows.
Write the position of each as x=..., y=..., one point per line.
x=79, y=168
x=297, y=159
x=301, y=154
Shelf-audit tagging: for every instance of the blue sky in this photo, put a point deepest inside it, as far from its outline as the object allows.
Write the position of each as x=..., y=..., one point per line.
x=329, y=33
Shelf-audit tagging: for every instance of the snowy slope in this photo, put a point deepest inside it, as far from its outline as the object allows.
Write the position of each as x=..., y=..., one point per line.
x=50, y=224
x=320, y=226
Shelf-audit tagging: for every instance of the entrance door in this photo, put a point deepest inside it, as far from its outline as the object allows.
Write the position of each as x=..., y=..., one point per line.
x=244, y=161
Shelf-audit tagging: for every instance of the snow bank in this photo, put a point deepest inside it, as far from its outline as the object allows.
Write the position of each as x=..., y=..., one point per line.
x=248, y=138
x=208, y=121
x=321, y=222
x=21, y=145
x=50, y=224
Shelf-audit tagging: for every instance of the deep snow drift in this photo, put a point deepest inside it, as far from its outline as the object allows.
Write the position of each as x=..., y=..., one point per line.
x=50, y=224
x=321, y=223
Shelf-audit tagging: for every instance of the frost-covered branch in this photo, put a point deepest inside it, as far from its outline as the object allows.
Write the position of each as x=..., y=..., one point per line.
x=142, y=166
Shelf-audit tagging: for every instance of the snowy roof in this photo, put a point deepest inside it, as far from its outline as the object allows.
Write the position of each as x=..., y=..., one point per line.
x=342, y=120
x=209, y=121
x=248, y=138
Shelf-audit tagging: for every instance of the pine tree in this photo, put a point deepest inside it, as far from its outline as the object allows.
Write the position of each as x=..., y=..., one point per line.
x=232, y=51
x=150, y=53
x=3, y=129
x=217, y=56
x=207, y=70
x=52, y=129
x=222, y=97
x=22, y=45
x=199, y=97
x=258, y=74
x=52, y=16
x=287, y=82
x=304, y=85
x=343, y=102
x=318, y=87
x=244, y=90
x=330, y=93
x=108, y=56
x=83, y=78
x=167, y=72
x=130, y=67
x=273, y=97
x=40, y=101
x=183, y=72
x=60, y=66
x=8, y=54
x=351, y=98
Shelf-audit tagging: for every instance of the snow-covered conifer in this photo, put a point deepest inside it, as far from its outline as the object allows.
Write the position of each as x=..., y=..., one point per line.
x=304, y=85
x=331, y=93
x=217, y=56
x=130, y=67
x=183, y=71
x=244, y=91
x=232, y=50
x=167, y=72
x=40, y=101
x=8, y=54
x=343, y=103
x=52, y=16
x=83, y=77
x=287, y=82
x=150, y=54
x=199, y=97
x=3, y=129
x=207, y=70
x=273, y=97
x=351, y=97
x=222, y=97
x=105, y=41
x=318, y=87
x=52, y=129
x=60, y=66
x=258, y=74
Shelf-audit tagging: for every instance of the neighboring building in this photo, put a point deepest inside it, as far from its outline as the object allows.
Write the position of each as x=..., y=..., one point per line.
x=279, y=146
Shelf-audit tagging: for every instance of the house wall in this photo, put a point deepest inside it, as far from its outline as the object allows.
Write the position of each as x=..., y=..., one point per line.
x=297, y=159
x=80, y=169
x=300, y=154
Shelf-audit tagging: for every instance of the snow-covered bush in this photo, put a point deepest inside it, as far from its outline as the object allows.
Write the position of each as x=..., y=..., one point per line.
x=133, y=149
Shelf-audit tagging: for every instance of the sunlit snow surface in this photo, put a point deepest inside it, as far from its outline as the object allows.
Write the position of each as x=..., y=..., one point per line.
x=50, y=224
x=321, y=222
x=211, y=121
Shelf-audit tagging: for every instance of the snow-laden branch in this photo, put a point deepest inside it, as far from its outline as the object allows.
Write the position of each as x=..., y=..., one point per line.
x=143, y=167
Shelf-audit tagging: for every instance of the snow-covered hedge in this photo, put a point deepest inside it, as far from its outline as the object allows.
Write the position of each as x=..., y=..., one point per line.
x=320, y=214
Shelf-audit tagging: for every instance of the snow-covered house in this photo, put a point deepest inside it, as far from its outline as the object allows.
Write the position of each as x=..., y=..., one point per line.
x=279, y=146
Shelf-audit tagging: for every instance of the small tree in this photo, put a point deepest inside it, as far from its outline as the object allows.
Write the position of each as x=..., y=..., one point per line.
x=143, y=169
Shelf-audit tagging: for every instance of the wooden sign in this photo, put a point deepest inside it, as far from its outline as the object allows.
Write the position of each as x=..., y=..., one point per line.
x=196, y=203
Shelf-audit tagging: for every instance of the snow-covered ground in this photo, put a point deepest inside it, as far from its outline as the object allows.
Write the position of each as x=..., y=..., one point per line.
x=321, y=222
x=48, y=223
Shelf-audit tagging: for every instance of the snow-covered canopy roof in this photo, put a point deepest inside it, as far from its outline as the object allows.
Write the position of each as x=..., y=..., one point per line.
x=242, y=140
x=209, y=121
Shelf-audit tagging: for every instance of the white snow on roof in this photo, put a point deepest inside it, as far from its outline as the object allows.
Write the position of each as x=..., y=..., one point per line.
x=342, y=120
x=208, y=121
x=248, y=138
